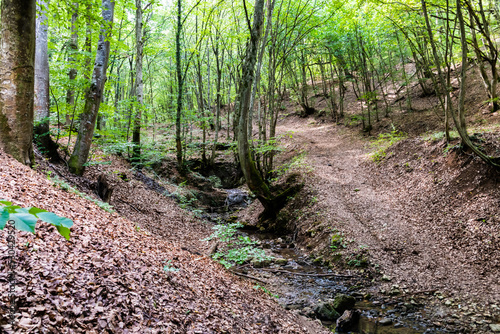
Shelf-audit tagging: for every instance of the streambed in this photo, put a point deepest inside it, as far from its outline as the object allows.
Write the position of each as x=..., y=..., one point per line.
x=301, y=285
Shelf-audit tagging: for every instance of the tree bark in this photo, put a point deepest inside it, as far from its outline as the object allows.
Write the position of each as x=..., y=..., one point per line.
x=180, y=84
x=73, y=48
x=17, y=46
x=272, y=204
x=42, y=97
x=139, y=90
x=94, y=93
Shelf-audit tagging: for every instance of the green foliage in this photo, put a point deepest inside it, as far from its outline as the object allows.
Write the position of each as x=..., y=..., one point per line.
x=25, y=219
x=186, y=198
x=297, y=164
x=215, y=181
x=337, y=240
x=237, y=249
x=383, y=142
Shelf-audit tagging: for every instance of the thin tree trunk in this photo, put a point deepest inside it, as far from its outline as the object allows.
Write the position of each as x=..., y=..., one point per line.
x=17, y=46
x=252, y=176
x=73, y=48
x=180, y=84
x=94, y=94
x=139, y=90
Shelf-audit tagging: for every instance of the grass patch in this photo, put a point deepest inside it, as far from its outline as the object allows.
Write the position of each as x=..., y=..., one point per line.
x=383, y=142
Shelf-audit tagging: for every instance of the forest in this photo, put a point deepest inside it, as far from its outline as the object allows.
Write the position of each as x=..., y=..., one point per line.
x=260, y=166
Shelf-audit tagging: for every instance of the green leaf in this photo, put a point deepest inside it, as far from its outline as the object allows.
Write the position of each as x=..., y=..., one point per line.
x=66, y=222
x=52, y=218
x=36, y=211
x=4, y=218
x=24, y=221
x=13, y=208
x=6, y=203
x=64, y=231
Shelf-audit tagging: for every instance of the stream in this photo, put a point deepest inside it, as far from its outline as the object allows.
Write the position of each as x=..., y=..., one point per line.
x=299, y=284
x=302, y=285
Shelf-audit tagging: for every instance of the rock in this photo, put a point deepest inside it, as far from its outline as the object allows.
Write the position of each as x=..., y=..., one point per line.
x=347, y=321
x=260, y=263
x=386, y=278
x=495, y=328
x=236, y=197
x=308, y=312
x=281, y=261
x=326, y=311
x=343, y=302
x=385, y=322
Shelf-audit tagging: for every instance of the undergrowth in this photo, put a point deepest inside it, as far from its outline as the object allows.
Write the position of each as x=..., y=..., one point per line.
x=383, y=142
x=235, y=249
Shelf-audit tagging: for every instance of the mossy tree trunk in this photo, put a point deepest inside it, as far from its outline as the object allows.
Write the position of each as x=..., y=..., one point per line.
x=17, y=49
x=272, y=204
x=93, y=95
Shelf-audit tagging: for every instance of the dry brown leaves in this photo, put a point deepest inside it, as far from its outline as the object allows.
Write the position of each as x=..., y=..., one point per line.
x=109, y=277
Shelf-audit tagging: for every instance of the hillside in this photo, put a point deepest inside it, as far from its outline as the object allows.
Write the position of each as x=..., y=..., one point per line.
x=110, y=278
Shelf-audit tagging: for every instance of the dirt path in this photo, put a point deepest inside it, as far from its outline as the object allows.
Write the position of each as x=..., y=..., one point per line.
x=403, y=241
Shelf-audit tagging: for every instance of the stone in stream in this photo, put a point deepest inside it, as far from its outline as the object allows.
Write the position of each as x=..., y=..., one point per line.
x=281, y=261
x=260, y=263
x=385, y=321
x=325, y=311
x=347, y=321
x=236, y=197
x=343, y=302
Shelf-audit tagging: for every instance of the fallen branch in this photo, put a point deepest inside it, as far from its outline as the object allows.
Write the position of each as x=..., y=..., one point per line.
x=133, y=207
x=249, y=277
x=305, y=274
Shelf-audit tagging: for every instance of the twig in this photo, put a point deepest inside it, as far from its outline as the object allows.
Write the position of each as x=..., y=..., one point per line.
x=133, y=207
x=304, y=274
x=248, y=276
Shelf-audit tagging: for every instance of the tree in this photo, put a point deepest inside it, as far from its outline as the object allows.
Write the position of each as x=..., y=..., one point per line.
x=18, y=78
x=42, y=100
x=272, y=204
x=94, y=93
x=139, y=86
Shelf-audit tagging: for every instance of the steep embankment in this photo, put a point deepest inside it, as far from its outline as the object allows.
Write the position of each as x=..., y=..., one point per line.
x=110, y=277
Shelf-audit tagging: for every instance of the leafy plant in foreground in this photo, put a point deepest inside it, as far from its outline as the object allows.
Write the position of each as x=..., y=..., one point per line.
x=25, y=219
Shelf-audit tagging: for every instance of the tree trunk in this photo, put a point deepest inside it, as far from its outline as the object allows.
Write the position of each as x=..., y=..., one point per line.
x=42, y=98
x=254, y=180
x=180, y=83
x=139, y=90
x=73, y=48
x=94, y=94
x=17, y=45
